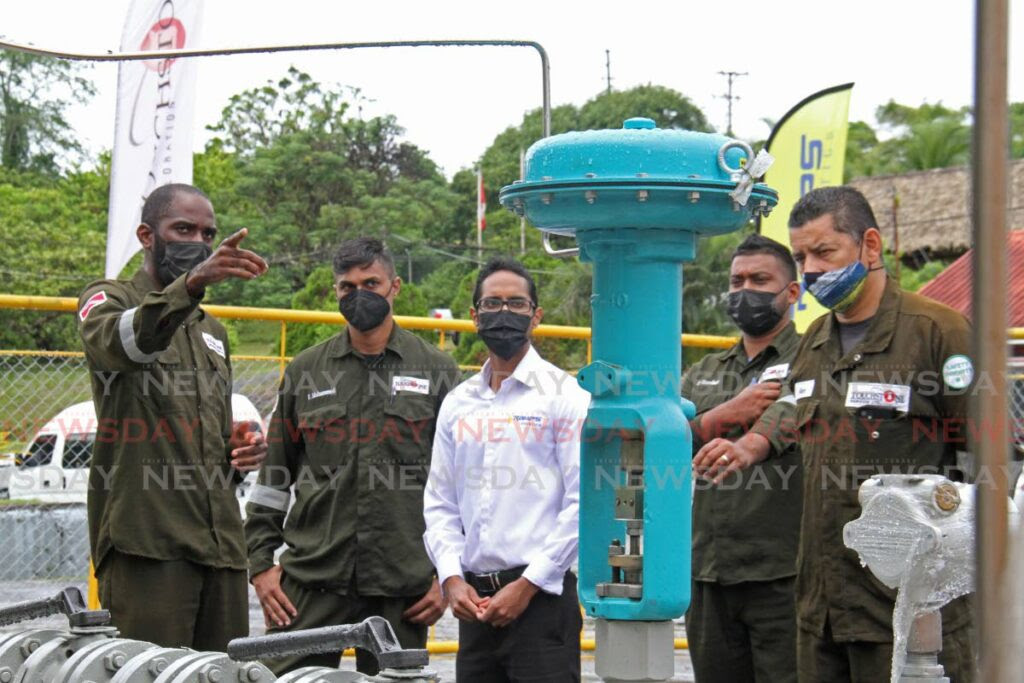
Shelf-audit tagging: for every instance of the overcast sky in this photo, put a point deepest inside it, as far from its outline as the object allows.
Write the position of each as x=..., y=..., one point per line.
x=453, y=101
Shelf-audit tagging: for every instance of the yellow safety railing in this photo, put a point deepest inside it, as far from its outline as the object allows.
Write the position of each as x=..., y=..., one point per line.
x=285, y=316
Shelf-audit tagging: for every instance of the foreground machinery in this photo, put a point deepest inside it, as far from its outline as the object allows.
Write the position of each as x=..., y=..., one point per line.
x=916, y=535
x=636, y=200
x=90, y=651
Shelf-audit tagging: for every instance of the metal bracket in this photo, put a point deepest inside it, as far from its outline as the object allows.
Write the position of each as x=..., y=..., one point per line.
x=558, y=252
x=374, y=635
x=68, y=602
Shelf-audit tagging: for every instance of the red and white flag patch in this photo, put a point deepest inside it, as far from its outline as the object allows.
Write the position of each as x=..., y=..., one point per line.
x=93, y=301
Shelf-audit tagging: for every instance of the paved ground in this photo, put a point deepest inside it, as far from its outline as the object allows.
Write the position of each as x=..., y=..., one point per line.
x=446, y=629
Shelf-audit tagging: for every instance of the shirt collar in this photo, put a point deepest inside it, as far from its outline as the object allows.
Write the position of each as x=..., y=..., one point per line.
x=883, y=324
x=785, y=337
x=527, y=372
x=398, y=343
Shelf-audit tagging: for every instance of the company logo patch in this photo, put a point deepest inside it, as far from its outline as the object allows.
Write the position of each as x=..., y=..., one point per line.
x=416, y=385
x=958, y=371
x=862, y=394
x=93, y=301
x=214, y=344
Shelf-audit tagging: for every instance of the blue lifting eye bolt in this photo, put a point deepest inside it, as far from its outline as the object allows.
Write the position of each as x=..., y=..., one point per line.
x=636, y=199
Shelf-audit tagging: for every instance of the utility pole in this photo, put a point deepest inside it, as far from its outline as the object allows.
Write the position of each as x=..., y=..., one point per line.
x=608, y=71
x=729, y=97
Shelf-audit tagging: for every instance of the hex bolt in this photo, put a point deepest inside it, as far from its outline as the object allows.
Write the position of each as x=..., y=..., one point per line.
x=6, y=675
x=546, y=198
x=590, y=196
x=641, y=195
x=250, y=674
x=114, y=661
x=694, y=197
x=29, y=646
x=157, y=666
x=212, y=674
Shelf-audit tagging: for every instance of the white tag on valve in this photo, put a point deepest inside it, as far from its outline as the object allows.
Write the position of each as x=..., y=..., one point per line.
x=750, y=175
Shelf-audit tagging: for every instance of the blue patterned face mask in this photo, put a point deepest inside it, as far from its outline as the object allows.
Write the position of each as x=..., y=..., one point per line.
x=837, y=289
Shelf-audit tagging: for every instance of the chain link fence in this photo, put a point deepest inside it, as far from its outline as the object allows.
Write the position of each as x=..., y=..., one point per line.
x=44, y=545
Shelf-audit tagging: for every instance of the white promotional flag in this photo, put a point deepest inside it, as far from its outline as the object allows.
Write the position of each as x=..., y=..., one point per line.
x=153, y=129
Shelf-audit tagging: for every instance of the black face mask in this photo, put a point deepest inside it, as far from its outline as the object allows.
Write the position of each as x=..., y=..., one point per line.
x=754, y=312
x=504, y=332
x=174, y=259
x=363, y=309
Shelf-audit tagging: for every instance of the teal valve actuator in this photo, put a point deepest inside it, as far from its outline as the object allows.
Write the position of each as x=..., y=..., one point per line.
x=636, y=200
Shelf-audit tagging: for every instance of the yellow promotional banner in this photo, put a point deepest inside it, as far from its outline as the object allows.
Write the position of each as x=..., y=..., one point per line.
x=809, y=146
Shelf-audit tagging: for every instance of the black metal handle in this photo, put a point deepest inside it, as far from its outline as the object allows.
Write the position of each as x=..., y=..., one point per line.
x=68, y=602
x=374, y=635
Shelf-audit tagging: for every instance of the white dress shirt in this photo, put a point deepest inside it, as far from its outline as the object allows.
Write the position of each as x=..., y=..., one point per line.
x=503, y=489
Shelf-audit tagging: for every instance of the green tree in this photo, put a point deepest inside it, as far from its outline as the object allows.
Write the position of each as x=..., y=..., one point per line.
x=668, y=108
x=53, y=244
x=308, y=176
x=35, y=93
x=1017, y=130
x=918, y=138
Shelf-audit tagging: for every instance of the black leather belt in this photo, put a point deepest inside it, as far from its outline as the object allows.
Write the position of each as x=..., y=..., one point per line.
x=492, y=582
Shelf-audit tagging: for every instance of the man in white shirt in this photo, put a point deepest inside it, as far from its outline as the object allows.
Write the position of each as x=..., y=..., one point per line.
x=502, y=500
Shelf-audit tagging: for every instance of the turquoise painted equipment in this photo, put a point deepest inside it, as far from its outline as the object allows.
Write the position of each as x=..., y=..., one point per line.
x=636, y=199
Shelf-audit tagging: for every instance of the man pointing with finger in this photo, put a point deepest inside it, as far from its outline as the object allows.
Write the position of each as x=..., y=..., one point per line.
x=165, y=530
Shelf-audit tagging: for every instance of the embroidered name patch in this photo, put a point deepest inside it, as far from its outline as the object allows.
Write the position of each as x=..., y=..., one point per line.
x=803, y=389
x=214, y=344
x=707, y=382
x=322, y=392
x=92, y=302
x=417, y=385
x=861, y=394
x=780, y=371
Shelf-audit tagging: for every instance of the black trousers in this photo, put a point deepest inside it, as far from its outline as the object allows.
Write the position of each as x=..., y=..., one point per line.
x=174, y=603
x=743, y=633
x=322, y=608
x=541, y=646
x=822, y=658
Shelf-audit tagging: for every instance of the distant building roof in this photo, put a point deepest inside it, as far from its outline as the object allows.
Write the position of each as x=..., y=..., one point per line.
x=933, y=211
x=953, y=285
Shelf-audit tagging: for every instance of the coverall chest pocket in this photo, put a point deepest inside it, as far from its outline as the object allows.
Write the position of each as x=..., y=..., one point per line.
x=326, y=436
x=894, y=441
x=167, y=384
x=407, y=430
